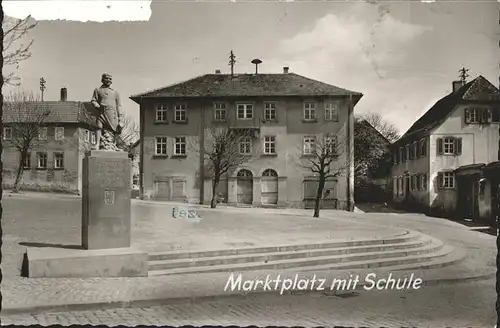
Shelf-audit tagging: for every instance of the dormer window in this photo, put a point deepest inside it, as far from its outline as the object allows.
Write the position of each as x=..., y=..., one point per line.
x=477, y=115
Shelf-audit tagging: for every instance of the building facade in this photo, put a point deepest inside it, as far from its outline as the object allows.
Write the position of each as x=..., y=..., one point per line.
x=54, y=161
x=439, y=163
x=284, y=112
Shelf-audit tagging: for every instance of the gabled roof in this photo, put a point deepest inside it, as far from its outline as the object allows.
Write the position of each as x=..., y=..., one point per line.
x=59, y=112
x=373, y=131
x=225, y=85
x=479, y=89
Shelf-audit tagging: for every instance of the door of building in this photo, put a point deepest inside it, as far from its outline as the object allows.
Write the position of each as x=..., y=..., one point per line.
x=269, y=185
x=245, y=187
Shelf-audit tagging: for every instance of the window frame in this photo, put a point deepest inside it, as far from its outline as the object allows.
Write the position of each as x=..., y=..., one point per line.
x=270, y=113
x=39, y=156
x=309, y=111
x=246, y=144
x=450, y=177
x=161, y=109
x=180, y=109
x=43, y=136
x=271, y=143
x=59, y=133
x=55, y=164
x=179, y=140
x=27, y=161
x=5, y=135
x=245, y=110
x=219, y=111
x=311, y=141
x=165, y=144
x=331, y=111
x=449, y=141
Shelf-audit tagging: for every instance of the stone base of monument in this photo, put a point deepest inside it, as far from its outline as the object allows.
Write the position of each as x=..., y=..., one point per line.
x=49, y=262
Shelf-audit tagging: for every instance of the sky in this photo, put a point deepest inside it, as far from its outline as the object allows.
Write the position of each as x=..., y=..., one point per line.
x=402, y=56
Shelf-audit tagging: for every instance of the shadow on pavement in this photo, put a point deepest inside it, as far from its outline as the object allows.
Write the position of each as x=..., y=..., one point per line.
x=378, y=208
x=30, y=244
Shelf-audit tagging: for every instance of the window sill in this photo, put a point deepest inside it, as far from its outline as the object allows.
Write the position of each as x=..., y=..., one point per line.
x=58, y=168
x=41, y=168
x=180, y=122
x=178, y=156
x=307, y=156
x=310, y=121
x=220, y=121
x=245, y=154
x=269, y=155
x=334, y=121
x=160, y=156
x=273, y=120
x=160, y=122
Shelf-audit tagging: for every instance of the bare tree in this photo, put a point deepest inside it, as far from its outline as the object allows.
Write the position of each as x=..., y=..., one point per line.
x=14, y=52
x=225, y=149
x=25, y=118
x=326, y=157
x=387, y=129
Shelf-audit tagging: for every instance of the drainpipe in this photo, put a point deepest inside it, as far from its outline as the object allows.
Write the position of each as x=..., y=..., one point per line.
x=202, y=155
x=350, y=144
x=141, y=150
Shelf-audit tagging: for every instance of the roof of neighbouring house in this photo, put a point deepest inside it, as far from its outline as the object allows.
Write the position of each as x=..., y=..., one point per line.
x=479, y=89
x=58, y=111
x=224, y=85
x=367, y=124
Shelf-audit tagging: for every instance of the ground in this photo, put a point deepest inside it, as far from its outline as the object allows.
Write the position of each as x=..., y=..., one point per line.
x=48, y=220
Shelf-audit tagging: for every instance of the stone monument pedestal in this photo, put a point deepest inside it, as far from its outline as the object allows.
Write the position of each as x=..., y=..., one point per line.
x=106, y=227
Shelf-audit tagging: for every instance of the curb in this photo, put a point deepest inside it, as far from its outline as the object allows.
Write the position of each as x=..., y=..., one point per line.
x=191, y=299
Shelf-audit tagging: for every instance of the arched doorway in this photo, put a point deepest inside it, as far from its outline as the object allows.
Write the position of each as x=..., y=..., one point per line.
x=269, y=184
x=245, y=187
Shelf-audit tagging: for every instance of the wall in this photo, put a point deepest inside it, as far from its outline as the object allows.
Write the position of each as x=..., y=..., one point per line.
x=479, y=145
x=47, y=179
x=288, y=129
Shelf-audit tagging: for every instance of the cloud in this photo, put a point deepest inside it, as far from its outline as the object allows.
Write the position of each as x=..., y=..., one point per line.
x=358, y=50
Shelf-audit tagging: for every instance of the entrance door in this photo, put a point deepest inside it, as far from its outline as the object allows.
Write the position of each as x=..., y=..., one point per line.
x=245, y=187
x=269, y=183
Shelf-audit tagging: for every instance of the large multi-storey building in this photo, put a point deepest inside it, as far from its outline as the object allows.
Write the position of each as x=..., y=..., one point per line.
x=54, y=163
x=441, y=163
x=286, y=112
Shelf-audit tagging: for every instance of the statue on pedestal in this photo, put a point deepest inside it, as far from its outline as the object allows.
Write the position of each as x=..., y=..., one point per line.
x=106, y=101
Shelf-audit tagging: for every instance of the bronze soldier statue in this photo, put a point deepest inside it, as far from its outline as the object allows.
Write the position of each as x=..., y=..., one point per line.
x=106, y=101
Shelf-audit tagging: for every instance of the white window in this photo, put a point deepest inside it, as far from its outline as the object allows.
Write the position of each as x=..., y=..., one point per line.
x=270, y=111
x=93, y=137
x=161, y=113
x=330, y=145
x=309, y=111
x=7, y=133
x=220, y=111
x=59, y=133
x=270, y=145
x=448, y=180
x=161, y=146
x=58, y=160
x=42, y=133
x=309, y=143
x=449, y=146
x=27, y=161
x=331, y=112
x=245, y=145
x=180, y=146
x=423, y=182
x=180, y=113
x=41, y=159
x=244, y=111
x=473, y=115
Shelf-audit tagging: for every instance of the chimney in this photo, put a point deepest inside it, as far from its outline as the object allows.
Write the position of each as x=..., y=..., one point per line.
x=217, y=71
x=64, y=94
x=285, y=70
x=457, y=85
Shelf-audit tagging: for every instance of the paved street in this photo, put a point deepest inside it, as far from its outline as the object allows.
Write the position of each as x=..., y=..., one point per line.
x=458, y=305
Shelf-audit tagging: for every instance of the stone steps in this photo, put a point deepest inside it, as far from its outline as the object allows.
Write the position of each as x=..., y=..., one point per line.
x=411, y=249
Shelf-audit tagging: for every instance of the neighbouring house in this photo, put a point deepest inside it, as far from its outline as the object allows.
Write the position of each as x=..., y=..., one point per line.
x=282, y=110
x=373, y=161
x=446, y=161
x=55, y=163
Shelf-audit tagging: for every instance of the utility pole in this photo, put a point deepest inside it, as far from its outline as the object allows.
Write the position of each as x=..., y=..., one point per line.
x=463, y=75
x=232, y=61
x=42, y=86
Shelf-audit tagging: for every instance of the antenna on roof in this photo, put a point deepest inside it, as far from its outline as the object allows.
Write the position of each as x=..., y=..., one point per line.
x=463, y=75
x=232, y=61
x=256, y=62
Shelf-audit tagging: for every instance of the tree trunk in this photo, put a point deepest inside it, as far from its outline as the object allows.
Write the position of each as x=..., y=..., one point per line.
x=319, y=194
x=215, y=183
x=20, y=171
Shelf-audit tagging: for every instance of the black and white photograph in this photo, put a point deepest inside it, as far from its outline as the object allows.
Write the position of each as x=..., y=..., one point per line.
x=250, y=163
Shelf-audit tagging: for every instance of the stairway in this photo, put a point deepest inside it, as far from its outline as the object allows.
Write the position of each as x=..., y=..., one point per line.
x=410, y=250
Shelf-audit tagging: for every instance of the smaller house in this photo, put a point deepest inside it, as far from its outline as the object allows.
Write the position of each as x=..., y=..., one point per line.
x=445, y=164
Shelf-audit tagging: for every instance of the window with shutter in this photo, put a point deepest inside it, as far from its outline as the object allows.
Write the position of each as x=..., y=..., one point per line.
x=440, y=180
x=439, y=147
x=467, y=116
